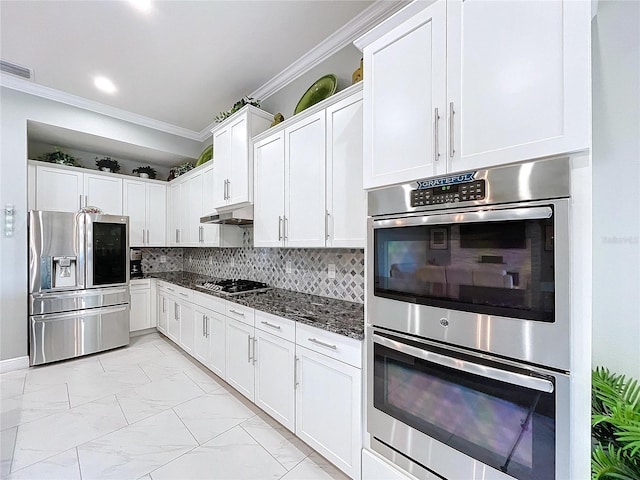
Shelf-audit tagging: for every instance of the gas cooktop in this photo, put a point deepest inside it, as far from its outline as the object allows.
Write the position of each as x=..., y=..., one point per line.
x=234, y=287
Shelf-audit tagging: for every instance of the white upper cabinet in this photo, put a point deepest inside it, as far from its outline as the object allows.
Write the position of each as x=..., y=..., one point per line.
x=304, y=197
x=67, y=189
x=146, y=205
x=518, y=80
x=233, y=167
x=404, y=90
x=468, y=84
x=268, y=209
x=346, y=200
x=308, y=178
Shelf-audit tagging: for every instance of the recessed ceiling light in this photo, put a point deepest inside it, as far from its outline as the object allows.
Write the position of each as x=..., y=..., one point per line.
x=142, y=5
x=104, y=84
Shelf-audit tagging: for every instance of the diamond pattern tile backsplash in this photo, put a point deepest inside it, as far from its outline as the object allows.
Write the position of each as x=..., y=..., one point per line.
x=308, y=266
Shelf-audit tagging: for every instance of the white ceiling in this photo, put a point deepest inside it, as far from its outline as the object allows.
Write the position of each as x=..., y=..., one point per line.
x=181, y=63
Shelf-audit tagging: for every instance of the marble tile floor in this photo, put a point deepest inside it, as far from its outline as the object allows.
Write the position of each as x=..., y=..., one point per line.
x=148, y=412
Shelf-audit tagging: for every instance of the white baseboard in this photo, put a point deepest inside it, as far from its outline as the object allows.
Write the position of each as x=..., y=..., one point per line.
x=12, y=364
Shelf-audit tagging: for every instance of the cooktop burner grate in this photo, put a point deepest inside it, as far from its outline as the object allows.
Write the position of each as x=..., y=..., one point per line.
x=234, y=287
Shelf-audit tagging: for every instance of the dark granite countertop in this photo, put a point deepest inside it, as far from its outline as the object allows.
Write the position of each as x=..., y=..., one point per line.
x=338, y=316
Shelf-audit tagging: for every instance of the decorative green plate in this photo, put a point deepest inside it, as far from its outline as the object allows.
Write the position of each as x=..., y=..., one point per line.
x=323, y=88
x=205, y=156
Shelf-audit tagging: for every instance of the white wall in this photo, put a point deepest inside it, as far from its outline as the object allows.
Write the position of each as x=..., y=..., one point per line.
x=616, y=186
x=17, y=108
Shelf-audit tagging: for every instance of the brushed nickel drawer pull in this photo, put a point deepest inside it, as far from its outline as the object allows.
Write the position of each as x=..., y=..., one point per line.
x=320, y=342
x=269, y=324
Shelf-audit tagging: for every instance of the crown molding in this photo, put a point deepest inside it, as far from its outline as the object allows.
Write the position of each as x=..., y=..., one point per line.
x=342, y=37
x=25, y=86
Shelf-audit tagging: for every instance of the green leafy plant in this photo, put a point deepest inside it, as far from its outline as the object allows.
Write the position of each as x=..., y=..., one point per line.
x=108, y=162
x=181, y=169
x=237, y=106
x=59, y=157
x=615, y=422
x=146, y=169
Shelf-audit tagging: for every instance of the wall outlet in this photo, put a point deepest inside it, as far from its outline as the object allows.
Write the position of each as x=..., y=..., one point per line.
x=163, y=259
x=233, y=262
x=210, y=260
x=288, y=266
x=331, y=270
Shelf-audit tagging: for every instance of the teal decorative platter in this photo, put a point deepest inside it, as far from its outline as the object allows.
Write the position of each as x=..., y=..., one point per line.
x=323, y=88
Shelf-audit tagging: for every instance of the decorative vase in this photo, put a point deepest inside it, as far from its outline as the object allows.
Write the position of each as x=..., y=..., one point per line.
x=143, y=175
x=105, y=169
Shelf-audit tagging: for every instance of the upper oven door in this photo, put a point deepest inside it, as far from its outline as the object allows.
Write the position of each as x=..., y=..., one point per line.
x=490, y=278
x=107, y=251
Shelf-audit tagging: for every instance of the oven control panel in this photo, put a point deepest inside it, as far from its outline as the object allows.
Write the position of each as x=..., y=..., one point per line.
x=461, y=192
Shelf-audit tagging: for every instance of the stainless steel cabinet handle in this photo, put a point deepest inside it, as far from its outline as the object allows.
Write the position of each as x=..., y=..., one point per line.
x=176, y=313
x=286, y=228
x=255, y=343
x=86, y=200
x=248, y=348
x=228, y=189
x=204, y=332
x=201, y=234
x=164, y=304
x=326, y=223
x=177, y=236
x=452, y=112
x=269, y=324
x=183, y=294
x=148, y=241
x=436, y=146
x=236, y=312
x=207, y=326
x=143, y=236
x=295, y=373
x=320, y=342
x=280, y=228
x=170, y=289
x=80, y=200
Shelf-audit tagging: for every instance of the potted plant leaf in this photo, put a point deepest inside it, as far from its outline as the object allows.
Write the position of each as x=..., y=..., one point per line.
x=181, y=169
x=60, y=158
x=615, y=426
x=107, y=164
x=145, y=172
x=237, y=106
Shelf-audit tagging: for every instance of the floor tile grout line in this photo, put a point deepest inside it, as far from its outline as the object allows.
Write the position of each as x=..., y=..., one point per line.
x=126, y=419
x=263, y=447
x=185, y=426
x=78, y=458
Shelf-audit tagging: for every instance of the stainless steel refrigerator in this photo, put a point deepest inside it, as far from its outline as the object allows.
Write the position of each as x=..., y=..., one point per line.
x=78, y=284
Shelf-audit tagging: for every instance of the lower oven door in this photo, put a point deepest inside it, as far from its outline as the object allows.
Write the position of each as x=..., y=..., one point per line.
x=455, y=413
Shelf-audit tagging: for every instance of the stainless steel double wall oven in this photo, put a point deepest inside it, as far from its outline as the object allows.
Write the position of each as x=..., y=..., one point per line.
x=468, y=336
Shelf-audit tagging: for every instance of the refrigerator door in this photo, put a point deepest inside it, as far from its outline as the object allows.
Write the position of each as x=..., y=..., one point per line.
x=107, y=241
x=67, y=301
x=56, y=251
x=60, y=336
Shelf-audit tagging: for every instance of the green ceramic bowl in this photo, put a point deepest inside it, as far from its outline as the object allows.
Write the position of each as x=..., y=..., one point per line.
x=323, y=88
x=205, y=156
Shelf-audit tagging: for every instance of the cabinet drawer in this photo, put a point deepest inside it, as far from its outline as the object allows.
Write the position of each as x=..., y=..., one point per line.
x=209, y=302
x=278, y=326
x=345, y=349
x=239, y=312
x=178, y=292
x=140, y=284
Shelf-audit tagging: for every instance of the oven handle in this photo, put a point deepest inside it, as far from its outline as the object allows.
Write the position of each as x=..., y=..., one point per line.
x=534, y=383
x=526, y=213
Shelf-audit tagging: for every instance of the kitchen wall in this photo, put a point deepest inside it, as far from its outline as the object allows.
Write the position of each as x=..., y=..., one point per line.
x=616, y=196
x=17, y=109
x=308, y=266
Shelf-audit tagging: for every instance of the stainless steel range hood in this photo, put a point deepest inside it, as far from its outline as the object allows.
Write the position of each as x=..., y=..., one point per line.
x=242, y=216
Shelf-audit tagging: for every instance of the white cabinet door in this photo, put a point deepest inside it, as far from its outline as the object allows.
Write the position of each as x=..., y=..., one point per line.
x=218, y=344
x=163, y=312
x=517, y=91
x=221, y=165
x=240, y=369
x=274, y=377
x=405, y=84
x=269, y=184
x=179, y=201
x=329, y=422
x=194, y=210
x=59, y=190
x=173, y=319
x=346, y=200
x=239, y=188
x=156, y=206
x=174, y=213
x=135, y=206
x=202, y=339
x=104, y=192
x=185, y=314
x=140, y=313
x=210, y=232
x=305, y=213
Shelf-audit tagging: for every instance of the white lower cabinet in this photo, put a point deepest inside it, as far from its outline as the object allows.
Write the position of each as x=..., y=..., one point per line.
x=240, y=346
x=307, y=379
x=140, y=313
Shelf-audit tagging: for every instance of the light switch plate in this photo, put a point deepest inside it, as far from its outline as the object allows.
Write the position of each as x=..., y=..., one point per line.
x=163, y=259
x=288, y=266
